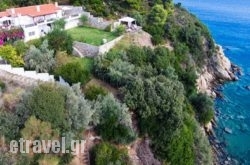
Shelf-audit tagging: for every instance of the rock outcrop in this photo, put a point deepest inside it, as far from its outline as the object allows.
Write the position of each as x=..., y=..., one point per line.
x=218, y=70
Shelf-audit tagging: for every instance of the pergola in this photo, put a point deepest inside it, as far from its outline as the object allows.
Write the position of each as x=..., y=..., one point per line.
x=128, y=21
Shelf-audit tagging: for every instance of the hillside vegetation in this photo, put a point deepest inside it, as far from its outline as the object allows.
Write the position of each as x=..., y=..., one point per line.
x=156, y=96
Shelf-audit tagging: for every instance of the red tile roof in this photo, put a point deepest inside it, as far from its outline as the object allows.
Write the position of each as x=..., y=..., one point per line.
x=4, y=13
x=32, y=11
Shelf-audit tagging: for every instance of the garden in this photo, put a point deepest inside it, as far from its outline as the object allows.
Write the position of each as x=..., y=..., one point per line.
x=90, y=35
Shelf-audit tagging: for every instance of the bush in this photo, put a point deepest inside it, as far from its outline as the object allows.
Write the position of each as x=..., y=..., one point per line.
x=204, y=107
x=92, y=92
x=60, y=40
x=63, y=58
x=140, y=19
x=46, y=102
x=36, y=42
x=21, y=47
x=8, y=125
x=59, y=24
x=41, y=59
x=155, y=23
x=74, y=72
x=9, y=53
x=119, y=30
x=84, y=20
x=115, y=120
x=105, y=153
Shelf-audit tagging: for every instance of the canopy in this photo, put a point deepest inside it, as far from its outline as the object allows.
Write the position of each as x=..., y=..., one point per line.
x=127, y=19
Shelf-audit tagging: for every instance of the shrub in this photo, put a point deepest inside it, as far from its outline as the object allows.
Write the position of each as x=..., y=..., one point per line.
x=106, y=153
x=115, y=120
x=59, y=24
x=9, y=53
x=8, y=125
x=41, y=59
x=46, y=102
x=155, y=23
x=74, y=72
x=63, y=58
x=204, y=107
x=92, y=92
x=119, y=30
x=140, y=19
x=10, y=36
x=36, y=42
x=84, y=20
x=21, y=47
x=60, y=40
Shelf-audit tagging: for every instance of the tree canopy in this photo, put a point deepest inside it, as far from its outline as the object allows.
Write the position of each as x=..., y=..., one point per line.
x=40, y=59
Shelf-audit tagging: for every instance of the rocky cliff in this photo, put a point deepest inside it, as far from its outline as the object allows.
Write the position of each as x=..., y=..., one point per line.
x=218, y=69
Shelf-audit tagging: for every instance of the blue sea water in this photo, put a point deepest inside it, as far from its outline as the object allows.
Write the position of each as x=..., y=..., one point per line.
x=229, y=24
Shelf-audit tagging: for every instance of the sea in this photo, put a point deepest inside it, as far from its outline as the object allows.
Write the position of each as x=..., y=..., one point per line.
x=229, y=24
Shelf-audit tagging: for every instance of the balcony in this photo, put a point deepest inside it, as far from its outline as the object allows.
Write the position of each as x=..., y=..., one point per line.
x=45, y=21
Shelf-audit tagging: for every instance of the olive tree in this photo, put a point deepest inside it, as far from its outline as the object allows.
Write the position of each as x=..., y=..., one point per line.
x=41, y=59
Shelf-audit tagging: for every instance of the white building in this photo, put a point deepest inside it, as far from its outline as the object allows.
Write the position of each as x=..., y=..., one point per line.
x=36, y=21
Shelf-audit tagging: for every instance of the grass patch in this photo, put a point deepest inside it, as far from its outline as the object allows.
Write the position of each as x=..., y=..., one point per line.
x=90, y=35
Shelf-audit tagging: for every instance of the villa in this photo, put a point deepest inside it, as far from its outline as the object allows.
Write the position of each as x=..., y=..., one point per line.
x=36, y=21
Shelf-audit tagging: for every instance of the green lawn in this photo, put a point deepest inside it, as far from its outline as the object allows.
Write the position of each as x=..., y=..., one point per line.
x=90, y=35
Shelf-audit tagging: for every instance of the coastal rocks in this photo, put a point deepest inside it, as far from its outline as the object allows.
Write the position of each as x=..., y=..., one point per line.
x=240, y=117
x=244, y=128
x=222, y=66
x=247, y=87
x=228, y=130
x=218, y=70
x=209, y=127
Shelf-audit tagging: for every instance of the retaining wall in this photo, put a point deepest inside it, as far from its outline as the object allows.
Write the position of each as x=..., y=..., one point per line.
x=96, y=22
x=87, y=50
x=22, y=74
x=109, y=45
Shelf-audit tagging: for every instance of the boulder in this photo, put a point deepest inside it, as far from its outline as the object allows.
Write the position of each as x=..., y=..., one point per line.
x=228, y=130
x=247, y=87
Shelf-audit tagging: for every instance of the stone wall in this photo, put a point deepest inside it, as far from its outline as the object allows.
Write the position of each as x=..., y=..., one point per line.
x=21, y=75
x=109, y=45
x=87, y=50
x=96, y=22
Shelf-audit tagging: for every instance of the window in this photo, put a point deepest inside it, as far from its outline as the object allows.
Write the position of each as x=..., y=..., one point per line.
x=31, y=33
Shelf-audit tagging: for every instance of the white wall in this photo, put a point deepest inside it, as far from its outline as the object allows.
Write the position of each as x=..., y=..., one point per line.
x=27, y=33
x=23, y=20
x=59, y=14
x=27, y=74
x=71, y=23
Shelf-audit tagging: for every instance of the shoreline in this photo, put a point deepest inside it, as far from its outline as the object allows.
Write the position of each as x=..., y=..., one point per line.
x=217, y=72
x=221, y=156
